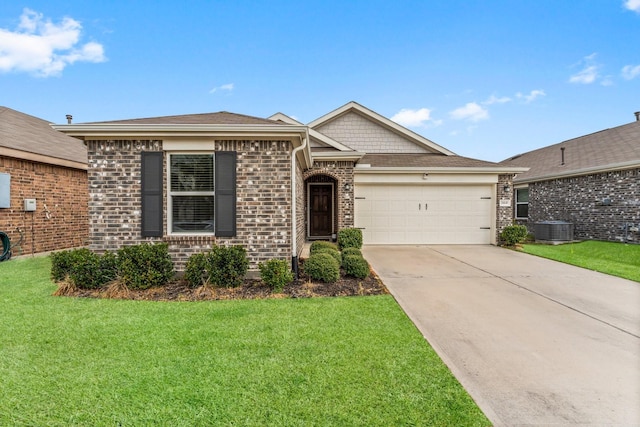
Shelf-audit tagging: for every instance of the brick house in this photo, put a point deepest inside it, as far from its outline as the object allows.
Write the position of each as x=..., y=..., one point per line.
x=41, y=164
x=592, y=182
x=272, y=184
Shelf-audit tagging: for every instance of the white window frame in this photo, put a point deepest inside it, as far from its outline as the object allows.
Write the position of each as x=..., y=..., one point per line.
x=171, y=194
x=517, y=203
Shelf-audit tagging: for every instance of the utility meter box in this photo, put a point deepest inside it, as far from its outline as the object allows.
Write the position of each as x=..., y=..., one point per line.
x=29, y=205
x=5, y=190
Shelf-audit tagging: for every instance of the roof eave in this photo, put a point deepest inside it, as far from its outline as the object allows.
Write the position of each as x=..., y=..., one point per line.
x=439, y=169
x=580, y=172
x=338, y=156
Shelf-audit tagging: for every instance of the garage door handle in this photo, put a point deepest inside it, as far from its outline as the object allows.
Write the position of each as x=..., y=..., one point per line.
x=485, y=228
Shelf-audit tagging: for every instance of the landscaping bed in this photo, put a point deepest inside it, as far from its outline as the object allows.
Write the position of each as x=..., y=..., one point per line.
x=178, y=290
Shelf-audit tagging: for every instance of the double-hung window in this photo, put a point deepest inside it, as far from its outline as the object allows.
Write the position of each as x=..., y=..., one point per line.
x=522, y=203
x=191, y=195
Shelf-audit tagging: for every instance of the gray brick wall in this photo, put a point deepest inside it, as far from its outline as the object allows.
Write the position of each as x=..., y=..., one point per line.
x=263, y=199
x=504, y=214
x=579, y=200
x=362, y=134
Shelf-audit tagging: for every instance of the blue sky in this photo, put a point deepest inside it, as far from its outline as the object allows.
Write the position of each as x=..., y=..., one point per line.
x=485, y=79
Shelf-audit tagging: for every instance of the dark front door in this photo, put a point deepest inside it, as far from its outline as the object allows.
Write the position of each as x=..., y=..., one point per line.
x=320, y=210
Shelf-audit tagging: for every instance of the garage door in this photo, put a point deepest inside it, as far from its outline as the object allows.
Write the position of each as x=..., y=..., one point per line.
x=424, y=214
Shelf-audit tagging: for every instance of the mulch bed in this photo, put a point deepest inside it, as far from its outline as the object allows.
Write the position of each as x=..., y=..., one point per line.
x=251, y=289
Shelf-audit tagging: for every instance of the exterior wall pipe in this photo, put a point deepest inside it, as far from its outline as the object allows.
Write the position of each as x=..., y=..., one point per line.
x=294, y=201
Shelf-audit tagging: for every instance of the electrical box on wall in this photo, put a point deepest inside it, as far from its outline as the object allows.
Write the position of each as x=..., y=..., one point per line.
x=29, y=205
x=5, y=190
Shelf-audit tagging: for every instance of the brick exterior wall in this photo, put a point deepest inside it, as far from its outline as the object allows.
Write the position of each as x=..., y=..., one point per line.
x=579, y=200
x=361, y=134
x=263, y=200
x=504, y=214
x=60, y=219
x=341, y=173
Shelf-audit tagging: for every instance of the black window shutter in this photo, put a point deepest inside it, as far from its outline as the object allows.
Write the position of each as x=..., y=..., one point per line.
x=152, y=210
x=225, y=201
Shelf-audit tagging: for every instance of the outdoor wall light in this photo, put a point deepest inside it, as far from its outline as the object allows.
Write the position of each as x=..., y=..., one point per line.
x=347, y=187
x=506, y=188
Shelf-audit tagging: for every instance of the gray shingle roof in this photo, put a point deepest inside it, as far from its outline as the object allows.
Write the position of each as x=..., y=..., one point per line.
x=590, y=153
x=424, y=160
x=219, y=118
x=22, y=133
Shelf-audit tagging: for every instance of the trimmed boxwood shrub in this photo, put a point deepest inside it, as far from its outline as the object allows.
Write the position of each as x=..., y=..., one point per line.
x=83, y=268
x=350, y=238
x=513, y=234
x=276, y=274
x=227, y=265
x=145, y=266
x=195, y=272
x=351, y=251
x=322, y=266
x=356, y=266
x=333, y=252
x=320, y=245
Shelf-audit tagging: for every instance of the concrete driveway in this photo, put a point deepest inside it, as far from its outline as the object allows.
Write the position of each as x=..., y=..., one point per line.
x=535, y=342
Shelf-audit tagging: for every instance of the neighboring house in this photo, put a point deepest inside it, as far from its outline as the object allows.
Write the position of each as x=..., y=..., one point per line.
x=592, y=182
x=49, y=170
x=272, y=184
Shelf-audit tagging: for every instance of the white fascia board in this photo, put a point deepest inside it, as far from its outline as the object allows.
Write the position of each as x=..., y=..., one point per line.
x=284, y=118
x=393, y=126
x=41, y=158
x=581, y=172
x=338, y=156
x=435, y=170
x=329, y=141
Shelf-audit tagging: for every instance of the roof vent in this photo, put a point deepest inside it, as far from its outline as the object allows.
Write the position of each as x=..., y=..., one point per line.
x=637, y=113
x=562, y=154
x=69, y=118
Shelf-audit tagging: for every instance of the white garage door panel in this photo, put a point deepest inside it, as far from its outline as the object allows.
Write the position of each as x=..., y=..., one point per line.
x=426, y=214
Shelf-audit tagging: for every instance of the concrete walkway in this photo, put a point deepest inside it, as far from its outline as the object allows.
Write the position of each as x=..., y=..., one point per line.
x=535, y=342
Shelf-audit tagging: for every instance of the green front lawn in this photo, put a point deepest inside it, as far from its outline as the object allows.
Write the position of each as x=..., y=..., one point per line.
x=323, y=361
x=617, y=259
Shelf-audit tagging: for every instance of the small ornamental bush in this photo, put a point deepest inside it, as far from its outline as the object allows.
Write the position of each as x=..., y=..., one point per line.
x=227, y=266
x=145, y=266
x=350, y=238
x=356, y=266
x=351, y=251
x=84, y=268
x=195, y=272
x=333, y=252
x=320, y=245
x=323, y=267
x=513, y=234
x=276, y=274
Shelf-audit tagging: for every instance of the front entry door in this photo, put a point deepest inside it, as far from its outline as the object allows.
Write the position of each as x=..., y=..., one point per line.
x=320, y=210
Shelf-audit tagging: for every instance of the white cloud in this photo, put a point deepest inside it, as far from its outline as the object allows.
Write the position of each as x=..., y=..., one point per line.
x=589, y=73
x=495, y=100
x=630, y=72
x=228, y=87
x=471, y=111
x=632, y=5
x=532, y=96
x=43, y=48
x=414, y=118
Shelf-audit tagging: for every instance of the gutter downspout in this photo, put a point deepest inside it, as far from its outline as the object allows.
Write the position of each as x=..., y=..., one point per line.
x=294, y=223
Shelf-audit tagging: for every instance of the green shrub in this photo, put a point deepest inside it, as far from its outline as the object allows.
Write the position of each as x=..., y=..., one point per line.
x=322, y=266
x=333, y=252
x=195, y=272
x=320, y=245
x=513, y=234
x=60, y=265
x=350, y=238
x=84, y=268
x=227, y=266
x=145, y=266
x=356, y=266
x=276, y=274
x=351, y=251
